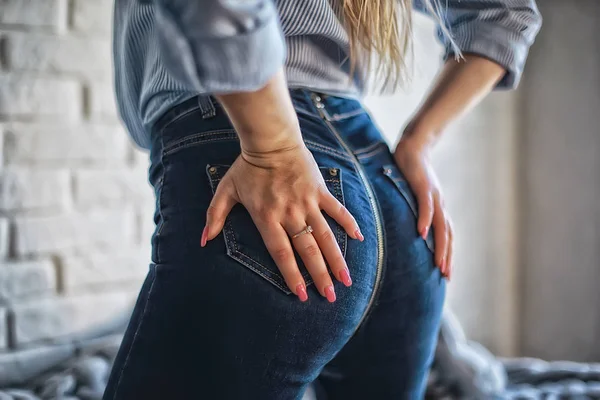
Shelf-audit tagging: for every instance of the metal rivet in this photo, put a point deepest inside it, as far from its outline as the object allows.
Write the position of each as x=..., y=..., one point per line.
x=387, y=171
x=317, y=98
x=212, y=170
x=320, y=105
x=333, y=171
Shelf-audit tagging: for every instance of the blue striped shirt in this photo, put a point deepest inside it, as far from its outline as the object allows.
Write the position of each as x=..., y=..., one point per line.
x=167, y=51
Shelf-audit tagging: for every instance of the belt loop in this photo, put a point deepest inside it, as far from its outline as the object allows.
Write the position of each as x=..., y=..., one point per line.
x=206, y=107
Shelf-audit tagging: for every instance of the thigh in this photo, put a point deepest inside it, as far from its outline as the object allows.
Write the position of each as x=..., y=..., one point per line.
x=391, y=353
x=218, y=321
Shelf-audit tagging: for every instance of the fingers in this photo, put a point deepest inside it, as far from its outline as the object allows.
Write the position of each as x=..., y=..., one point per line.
x=278, y=244
x=310, y=253
x=338, y=212
x=426, y=208
x=220, y=206
x=330, y=249
x=449, y=255
x=442, y=236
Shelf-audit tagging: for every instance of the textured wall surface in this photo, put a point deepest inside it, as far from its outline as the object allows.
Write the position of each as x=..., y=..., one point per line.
x=75, y=208
x=560, y=186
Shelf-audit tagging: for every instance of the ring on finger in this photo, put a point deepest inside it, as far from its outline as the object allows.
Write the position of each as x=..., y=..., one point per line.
x=307, y=229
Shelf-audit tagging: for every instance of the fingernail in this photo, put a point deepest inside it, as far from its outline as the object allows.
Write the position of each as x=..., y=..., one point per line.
x=345, y=276
x=424, y=232
x=301, y=292
x=330, y=293
x=359, y=235
x=443, y=267
x=204, y=236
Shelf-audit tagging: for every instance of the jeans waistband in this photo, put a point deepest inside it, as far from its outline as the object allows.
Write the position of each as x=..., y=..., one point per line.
x=334, y=108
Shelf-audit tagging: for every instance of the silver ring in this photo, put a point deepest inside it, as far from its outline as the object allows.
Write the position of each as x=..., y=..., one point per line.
x=307, y=229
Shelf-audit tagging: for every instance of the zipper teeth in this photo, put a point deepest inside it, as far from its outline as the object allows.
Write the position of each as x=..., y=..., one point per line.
x=374, y=207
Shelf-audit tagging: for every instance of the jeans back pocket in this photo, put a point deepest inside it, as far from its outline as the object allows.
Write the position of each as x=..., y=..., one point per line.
x=394, y=174
x=244, y=242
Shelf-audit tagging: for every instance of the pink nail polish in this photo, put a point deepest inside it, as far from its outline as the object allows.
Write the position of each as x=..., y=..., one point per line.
x=301, y=292
x=330, y=293
x=359, y=235
x=424, y=232
x=204, y=236
x=345, y=277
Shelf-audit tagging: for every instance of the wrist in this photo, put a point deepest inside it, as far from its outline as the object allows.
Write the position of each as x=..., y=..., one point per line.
x=420, y=134
x=280, y=142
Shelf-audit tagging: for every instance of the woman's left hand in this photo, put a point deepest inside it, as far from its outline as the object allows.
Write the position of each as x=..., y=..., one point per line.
x=412, y=157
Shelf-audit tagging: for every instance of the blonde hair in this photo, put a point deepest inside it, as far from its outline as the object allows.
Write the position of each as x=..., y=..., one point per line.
x=382, y=30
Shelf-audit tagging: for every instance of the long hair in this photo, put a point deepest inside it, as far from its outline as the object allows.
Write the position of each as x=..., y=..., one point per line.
x=380, y=33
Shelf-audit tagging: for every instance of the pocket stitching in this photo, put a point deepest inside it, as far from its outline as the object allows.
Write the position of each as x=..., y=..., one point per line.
x=387, y=171
x=256, y=266
x=198, y=138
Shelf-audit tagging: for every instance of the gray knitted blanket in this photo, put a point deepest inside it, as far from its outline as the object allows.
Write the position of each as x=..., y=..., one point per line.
x=78, y=369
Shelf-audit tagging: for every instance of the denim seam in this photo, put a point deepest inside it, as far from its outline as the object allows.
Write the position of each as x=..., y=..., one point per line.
x=368, y=148
x=135, y=335
x=160, y=202
x=326, y=149
x=343, y=116
x=179, y=116
x=371, y=151
x=197, y=139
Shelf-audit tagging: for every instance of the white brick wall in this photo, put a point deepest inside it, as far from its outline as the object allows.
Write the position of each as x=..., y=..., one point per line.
x=59, y=54
x=62, y=316
x=75, y=205
x=36, y=13
x=22, y=188
x=3, y=330
x=23, y=279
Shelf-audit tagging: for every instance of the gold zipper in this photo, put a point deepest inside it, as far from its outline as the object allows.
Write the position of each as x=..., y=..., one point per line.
x=374, y=206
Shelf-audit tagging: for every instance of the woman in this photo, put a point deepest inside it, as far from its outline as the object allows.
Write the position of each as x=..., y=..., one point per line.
x=291, y=245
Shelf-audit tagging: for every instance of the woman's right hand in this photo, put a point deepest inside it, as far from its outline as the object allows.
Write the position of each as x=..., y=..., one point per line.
x=284, y=192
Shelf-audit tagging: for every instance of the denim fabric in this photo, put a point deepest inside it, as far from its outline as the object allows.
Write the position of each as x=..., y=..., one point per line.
x=219, y=323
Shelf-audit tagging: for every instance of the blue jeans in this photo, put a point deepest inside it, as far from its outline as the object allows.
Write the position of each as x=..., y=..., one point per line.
x=219, y=322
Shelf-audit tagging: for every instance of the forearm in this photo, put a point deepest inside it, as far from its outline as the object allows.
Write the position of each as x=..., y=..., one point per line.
x=265, y=119
x=458, y=88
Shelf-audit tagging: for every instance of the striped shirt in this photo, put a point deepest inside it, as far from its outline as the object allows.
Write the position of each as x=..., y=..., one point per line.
x=167, y=51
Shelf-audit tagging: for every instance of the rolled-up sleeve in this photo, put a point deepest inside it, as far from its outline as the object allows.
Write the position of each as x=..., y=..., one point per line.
x=500, y=30
x=220, y=46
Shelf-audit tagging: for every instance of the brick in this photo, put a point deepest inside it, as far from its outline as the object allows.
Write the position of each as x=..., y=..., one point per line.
x=2, y=136
x=3, y=329
x=102, y=101
x=4, y=237
x=95, y=269
x=61, y=317
x=36, y=13
x=22, y=189
x=86, y=57
x=49, y=98
x=26, y=279
x=33, y=143
x=105, y=187
x=92, y=16
x=45, y=234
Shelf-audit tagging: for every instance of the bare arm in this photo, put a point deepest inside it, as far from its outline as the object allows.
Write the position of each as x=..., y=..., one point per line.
x=278, y=181
x=459, y=87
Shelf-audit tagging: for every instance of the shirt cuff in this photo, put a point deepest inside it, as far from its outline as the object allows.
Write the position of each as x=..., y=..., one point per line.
x=227, y=64
x=507, y=48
